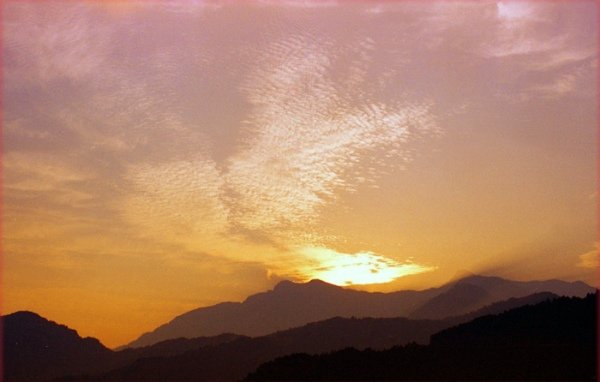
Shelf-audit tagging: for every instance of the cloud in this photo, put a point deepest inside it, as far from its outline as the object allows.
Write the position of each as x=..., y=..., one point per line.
x=180, y=200
x=51, y=41
x=589, y=259
x=546, y=41
x=528, y=49
x=307, y=140
x=45, y=177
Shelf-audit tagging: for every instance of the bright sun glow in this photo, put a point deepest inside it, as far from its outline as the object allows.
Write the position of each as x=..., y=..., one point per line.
x=355, y=269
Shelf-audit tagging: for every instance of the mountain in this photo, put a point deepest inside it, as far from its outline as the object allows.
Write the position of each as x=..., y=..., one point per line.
x=560, y=320
x=287, y=305
x=294, y=304
x=473, y=292
x=502, y=306
x=37, y=349
x=174, y=347
x=235, y=359
x=552, y=340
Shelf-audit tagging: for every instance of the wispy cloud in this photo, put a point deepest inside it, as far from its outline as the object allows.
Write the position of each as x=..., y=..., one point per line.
x=53, y=42
x=305, y=142
x=542, y=39
x=179, y=200
x=308, y=139
x=44, y=177
x=589, y=259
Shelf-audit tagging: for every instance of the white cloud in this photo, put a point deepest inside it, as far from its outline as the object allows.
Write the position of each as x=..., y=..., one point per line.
x=307, y=136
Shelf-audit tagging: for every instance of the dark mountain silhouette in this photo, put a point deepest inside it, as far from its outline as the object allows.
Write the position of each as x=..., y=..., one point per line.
x=552, y=340
x=559, y=320
x=235, y=359
x=502, y=306
x=36, y=349
x=299, y=304
x=174, y=347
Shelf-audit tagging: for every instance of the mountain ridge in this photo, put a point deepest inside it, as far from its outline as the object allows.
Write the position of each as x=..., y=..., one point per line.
x=233, y=360
x=54, y=349
x=231, y=356
x=316, y=300
x=552, y=340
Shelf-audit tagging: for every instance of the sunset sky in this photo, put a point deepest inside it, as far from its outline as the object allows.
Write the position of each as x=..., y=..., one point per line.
x=162, y=156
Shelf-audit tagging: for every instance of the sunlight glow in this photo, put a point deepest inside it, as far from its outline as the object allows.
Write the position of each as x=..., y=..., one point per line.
x=355, y=269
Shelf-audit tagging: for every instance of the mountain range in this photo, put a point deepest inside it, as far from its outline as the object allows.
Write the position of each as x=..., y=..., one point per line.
x=298, y=304
x=552, y=340
x=38, y=349
x=234, y=360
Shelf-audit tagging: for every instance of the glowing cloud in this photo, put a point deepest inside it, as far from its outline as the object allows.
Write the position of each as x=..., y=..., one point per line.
x=355, y=269
x=589, y=259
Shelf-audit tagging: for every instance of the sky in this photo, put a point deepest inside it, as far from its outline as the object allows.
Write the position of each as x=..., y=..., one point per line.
x=162, y=156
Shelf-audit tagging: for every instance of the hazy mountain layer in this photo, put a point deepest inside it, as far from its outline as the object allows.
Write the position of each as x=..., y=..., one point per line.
x=235, y=359
x=289, y=305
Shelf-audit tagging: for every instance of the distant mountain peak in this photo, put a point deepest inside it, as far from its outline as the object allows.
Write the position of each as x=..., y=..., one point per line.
x=287, y=284
x=319, y=282
x=474, y=278
x=298, y=303
x=479, y=276
x=284, y=284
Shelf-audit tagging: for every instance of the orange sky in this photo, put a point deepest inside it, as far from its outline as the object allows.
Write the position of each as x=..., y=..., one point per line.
x=161, y=156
